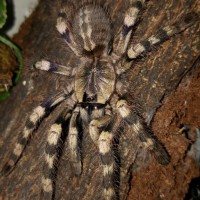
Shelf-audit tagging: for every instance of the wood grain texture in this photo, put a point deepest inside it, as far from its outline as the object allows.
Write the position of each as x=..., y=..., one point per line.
x=153, y=77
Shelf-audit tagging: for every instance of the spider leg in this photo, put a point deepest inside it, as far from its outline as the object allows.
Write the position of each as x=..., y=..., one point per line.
x=143, y=131
x=161, y=36
x=49, y=66
x=108, y=163
x=31, y=124
x=96, y=125
x=64, y=28
x=54, y=140
x=109, y=126
x=73, y=142
x=124, y=35
x=104, y=141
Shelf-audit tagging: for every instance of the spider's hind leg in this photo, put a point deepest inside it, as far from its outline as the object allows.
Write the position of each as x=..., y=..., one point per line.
x=74, y=142
x=31, y=124
x=102, y=133
x=143, y=131
x=161, y=36
x=108, y=163
x=55, y=138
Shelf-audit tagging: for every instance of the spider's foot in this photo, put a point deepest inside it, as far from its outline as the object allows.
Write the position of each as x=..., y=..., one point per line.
x=8, y=168
x=47, y=191
x=158, y=150
x=162, y=156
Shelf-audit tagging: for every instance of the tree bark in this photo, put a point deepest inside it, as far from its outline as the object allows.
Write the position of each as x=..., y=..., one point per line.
x=153, y=79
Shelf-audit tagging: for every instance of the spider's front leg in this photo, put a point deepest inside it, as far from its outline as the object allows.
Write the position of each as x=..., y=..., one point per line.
x=54, y=140
x=53, y=67
x=64, y=27
x=31, y=124
x=123, y=37
x=131, y=116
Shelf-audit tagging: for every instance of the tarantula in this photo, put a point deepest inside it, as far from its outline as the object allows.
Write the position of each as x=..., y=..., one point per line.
x=96, y=96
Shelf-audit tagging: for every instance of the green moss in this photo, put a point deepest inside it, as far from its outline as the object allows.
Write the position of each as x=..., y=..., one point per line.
x=3, y=17
x=3, y=13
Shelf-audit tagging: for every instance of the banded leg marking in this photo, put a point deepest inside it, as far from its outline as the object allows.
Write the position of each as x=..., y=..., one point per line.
x=31, y=124
x=130, y=19
x=51, y=154
x=143, y=131
x=108, y=163
x=53, y=67
x=63, y=28
x=161, y=36
x=73, y=143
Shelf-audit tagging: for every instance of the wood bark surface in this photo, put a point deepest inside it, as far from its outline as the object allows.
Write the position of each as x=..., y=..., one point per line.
x=153, y=78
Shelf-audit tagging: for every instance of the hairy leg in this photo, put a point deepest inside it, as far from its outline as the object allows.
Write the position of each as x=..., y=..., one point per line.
x=31, y=124
x=49, y=66
x=100, y=130
x=161, y=36
x=96, y=125
x=54, y=140
x=65, y=28
x=108, y=163
x=124, y=35
x=75, y=154
x=143, y=131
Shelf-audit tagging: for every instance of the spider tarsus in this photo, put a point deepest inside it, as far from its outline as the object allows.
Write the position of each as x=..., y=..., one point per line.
x=9, y=165
x=162, y=156
x=6, y=170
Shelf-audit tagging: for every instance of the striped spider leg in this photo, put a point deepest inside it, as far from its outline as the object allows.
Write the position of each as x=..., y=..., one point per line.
x=122, y=40
x=64, y=27
x=70, y=116
x=31, y=124
x=161, y=36
x=73, y=140
x=54, y=141
x=123, y=37
x=100, y=132
x=49, y=66
x=134, y=120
